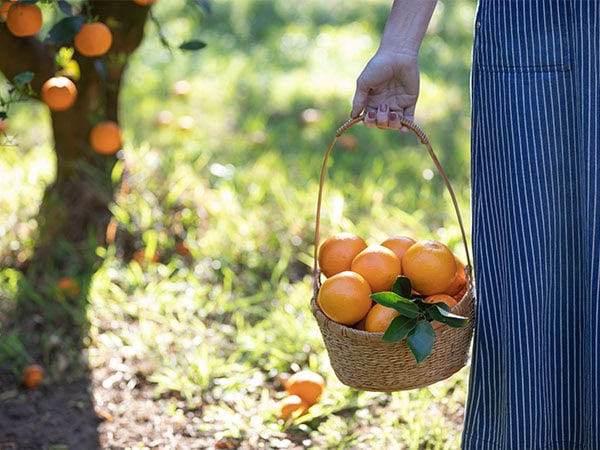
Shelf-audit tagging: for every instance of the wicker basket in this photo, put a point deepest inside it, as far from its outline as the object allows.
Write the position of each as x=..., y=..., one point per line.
x=360, y=359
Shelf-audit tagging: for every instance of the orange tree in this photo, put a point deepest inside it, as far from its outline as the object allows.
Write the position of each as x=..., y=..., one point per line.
x=103, y=35
x=49, y=53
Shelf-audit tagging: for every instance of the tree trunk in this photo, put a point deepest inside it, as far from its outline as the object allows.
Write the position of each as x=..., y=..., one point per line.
x=75, y=209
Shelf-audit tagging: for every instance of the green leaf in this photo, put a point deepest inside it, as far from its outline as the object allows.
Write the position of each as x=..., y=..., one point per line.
x=403, y=305
x=402, y=287
x=65, y=30
x=420, y=340
x=23, y=78
x=399, y=329
x=441, y=313
x=192, y=45
x=65, y=7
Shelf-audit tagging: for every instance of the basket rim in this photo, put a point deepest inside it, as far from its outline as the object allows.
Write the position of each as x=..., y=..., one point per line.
x=465, y=307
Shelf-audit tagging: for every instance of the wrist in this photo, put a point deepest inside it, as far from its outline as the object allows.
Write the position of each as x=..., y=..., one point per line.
x=406, y=26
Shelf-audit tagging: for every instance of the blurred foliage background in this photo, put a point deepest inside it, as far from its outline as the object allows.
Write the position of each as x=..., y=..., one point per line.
x=218, y=182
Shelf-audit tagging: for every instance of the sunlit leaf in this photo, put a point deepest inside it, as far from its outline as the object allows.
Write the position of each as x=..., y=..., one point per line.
x=71, y=70
x=403, y=305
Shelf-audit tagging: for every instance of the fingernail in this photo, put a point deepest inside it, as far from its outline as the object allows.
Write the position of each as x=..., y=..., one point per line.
x=371, y=114
x=393, y=116
x=383, y=107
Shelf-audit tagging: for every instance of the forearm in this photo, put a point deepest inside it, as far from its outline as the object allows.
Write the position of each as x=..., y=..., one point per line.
x=406, y=25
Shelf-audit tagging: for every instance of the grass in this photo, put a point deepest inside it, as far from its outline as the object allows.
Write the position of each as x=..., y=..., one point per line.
x=216, y=326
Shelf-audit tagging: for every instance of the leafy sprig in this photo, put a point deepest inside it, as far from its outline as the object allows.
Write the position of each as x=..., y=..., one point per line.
x=414, y=321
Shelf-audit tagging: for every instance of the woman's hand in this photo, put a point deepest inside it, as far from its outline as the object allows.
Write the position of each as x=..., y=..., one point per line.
x=387, y=89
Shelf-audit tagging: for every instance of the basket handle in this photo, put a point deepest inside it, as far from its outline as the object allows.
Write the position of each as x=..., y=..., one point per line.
x=425, y=141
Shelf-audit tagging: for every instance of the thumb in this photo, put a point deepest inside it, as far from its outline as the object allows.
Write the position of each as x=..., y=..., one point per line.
x=358, y=103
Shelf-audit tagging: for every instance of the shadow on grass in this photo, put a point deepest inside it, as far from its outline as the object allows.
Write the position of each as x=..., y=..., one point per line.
x=47, y=324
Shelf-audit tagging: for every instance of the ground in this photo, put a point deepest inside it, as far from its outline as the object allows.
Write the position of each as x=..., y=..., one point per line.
x=108, y=413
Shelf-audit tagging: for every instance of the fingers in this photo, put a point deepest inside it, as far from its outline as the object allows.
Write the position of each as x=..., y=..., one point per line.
x=383, y=118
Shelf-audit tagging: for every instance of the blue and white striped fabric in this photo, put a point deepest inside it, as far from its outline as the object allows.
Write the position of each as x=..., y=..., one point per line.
x=535, y=375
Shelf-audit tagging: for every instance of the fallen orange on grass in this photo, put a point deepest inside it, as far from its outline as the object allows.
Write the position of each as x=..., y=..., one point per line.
x=307, y=385
x=292, y=406
x=33, y=376
x=68, y=286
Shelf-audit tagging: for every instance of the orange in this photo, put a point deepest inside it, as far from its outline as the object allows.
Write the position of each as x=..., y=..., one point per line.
x=33, y=376
x=182, y=250
x=460, y=294
x=345, y=297
x=398, y=244
x=140, y=256
x=144, y=2
x=443, y=298
x=93, y=39
x=307, y=385
x=68, y=286
x=24, y=20
x=59, y=93
x=292, y=406
x=337, y=252
x=379, y=318
x=430, y=266
x=379, y=266
x=460, y=280
x=4, y=8
x=105, y=137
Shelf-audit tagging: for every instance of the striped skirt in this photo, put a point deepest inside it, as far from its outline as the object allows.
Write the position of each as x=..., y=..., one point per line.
x=535, y=374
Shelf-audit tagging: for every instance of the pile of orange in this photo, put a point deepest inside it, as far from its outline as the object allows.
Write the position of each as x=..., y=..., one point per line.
x=303, y=389
x=355, y=270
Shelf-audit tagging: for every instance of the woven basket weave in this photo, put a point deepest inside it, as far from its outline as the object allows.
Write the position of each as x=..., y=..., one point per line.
x=360, y=359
